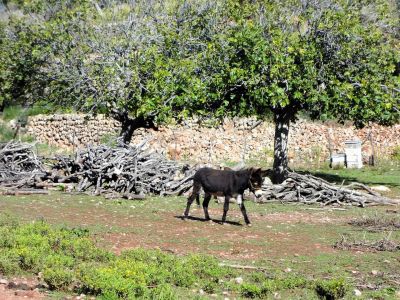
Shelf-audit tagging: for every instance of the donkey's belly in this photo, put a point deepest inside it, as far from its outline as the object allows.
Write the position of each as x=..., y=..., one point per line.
x=222, y=194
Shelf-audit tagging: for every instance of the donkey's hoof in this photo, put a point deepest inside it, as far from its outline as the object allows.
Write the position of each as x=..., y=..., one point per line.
x=249, y=224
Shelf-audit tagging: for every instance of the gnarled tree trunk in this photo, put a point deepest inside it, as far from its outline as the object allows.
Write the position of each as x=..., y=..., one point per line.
x=280, y=168
x=130, y=124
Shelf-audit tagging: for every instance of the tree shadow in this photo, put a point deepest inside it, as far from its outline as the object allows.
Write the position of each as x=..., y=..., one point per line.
x=338, y=179
x=212, y=220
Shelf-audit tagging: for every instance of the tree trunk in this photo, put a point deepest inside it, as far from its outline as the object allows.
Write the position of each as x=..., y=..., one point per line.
x=280, y=168
x=128, y=127
x=130, y=124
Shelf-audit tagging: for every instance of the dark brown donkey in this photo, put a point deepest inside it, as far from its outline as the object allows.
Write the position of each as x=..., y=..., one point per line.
x=226, y=183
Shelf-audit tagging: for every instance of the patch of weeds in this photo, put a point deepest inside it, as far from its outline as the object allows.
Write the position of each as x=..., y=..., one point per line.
x=377, y=223
x=210, y=287
x=109, y=139
x=331, y=289
x=12, y=112
x=58, y=277
x=9, y=262
x=258, y=277
x=251, y=290
x=7, y=220
x=69, y=260
x=396, y=153
x=163, y=292
x=386, y=293
x=292, y=282
x=6, y=133
x=384, y=244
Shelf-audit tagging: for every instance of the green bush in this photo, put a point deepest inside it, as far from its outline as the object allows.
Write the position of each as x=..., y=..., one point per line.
x=250, y=290
x=292, y=283
x=269, y=286
x=331, y=289
x=9, y=262
x=162, y=292
x=58, y=277
x=69, y=259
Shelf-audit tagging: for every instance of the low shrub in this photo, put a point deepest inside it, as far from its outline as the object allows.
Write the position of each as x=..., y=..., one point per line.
x=69, y=260
x=331, y=289
x=250, y=290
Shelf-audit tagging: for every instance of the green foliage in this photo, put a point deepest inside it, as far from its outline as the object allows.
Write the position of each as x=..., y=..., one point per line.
x=331, y=289
x=162, y=292
x=249, y=290
x=109, y=139
x=6, y=133
x=328, y=59
x=396, y=153
x=324, y=59
x=9, y=262
x=11, y=112
x=68, y=259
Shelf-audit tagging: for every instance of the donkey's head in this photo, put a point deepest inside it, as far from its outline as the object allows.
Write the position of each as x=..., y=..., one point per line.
x=255, y=181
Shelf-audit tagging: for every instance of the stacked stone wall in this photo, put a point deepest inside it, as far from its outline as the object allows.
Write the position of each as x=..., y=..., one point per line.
x=233, y=141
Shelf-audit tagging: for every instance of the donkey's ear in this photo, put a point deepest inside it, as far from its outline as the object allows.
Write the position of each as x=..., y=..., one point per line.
x=266, y=173
x=255, y=170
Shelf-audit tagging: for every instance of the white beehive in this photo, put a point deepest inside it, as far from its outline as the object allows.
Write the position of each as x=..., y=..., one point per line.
x=338, y=160
x=353, y=154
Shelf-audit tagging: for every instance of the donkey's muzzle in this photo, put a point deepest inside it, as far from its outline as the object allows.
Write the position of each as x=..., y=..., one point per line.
x=258, y=193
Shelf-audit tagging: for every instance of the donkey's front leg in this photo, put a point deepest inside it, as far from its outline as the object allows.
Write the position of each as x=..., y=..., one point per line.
x=207, y=198
x=226, y=208
x=240, y=202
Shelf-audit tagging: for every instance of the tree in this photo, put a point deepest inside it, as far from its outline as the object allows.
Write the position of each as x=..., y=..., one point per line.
x=327, y=58
x=124, y=59
x=20, y=62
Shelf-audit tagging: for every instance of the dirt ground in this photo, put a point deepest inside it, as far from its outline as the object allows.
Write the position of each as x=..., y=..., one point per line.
x=232, y=241
x=20, y=288
x=282, y=237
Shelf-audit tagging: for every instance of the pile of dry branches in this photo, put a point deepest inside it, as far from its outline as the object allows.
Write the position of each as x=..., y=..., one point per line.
x=18, y=164
x=134, y=171
x=377, y=223
x=130, y=171
x=385, y=244
x=309, y=189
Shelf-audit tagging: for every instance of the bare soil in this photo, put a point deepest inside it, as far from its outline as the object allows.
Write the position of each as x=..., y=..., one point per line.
x=20, y=288
x=281, y=237
x=232, y=241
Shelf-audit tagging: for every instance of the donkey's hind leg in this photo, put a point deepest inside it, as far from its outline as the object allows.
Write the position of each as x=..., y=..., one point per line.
x=193, y=195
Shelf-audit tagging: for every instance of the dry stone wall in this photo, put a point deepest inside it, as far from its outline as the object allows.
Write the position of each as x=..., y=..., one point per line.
x=233, y=141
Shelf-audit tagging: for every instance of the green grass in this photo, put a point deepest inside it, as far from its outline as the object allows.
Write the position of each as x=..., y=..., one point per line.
x=19, y=112
x=273, y=240
x=386, y=174
x=291, y=237
x=6, y=133
x=12, y=112
x=69, y=260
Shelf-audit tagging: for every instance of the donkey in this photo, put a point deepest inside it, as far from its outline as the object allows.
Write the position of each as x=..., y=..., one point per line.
x=226, y=183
